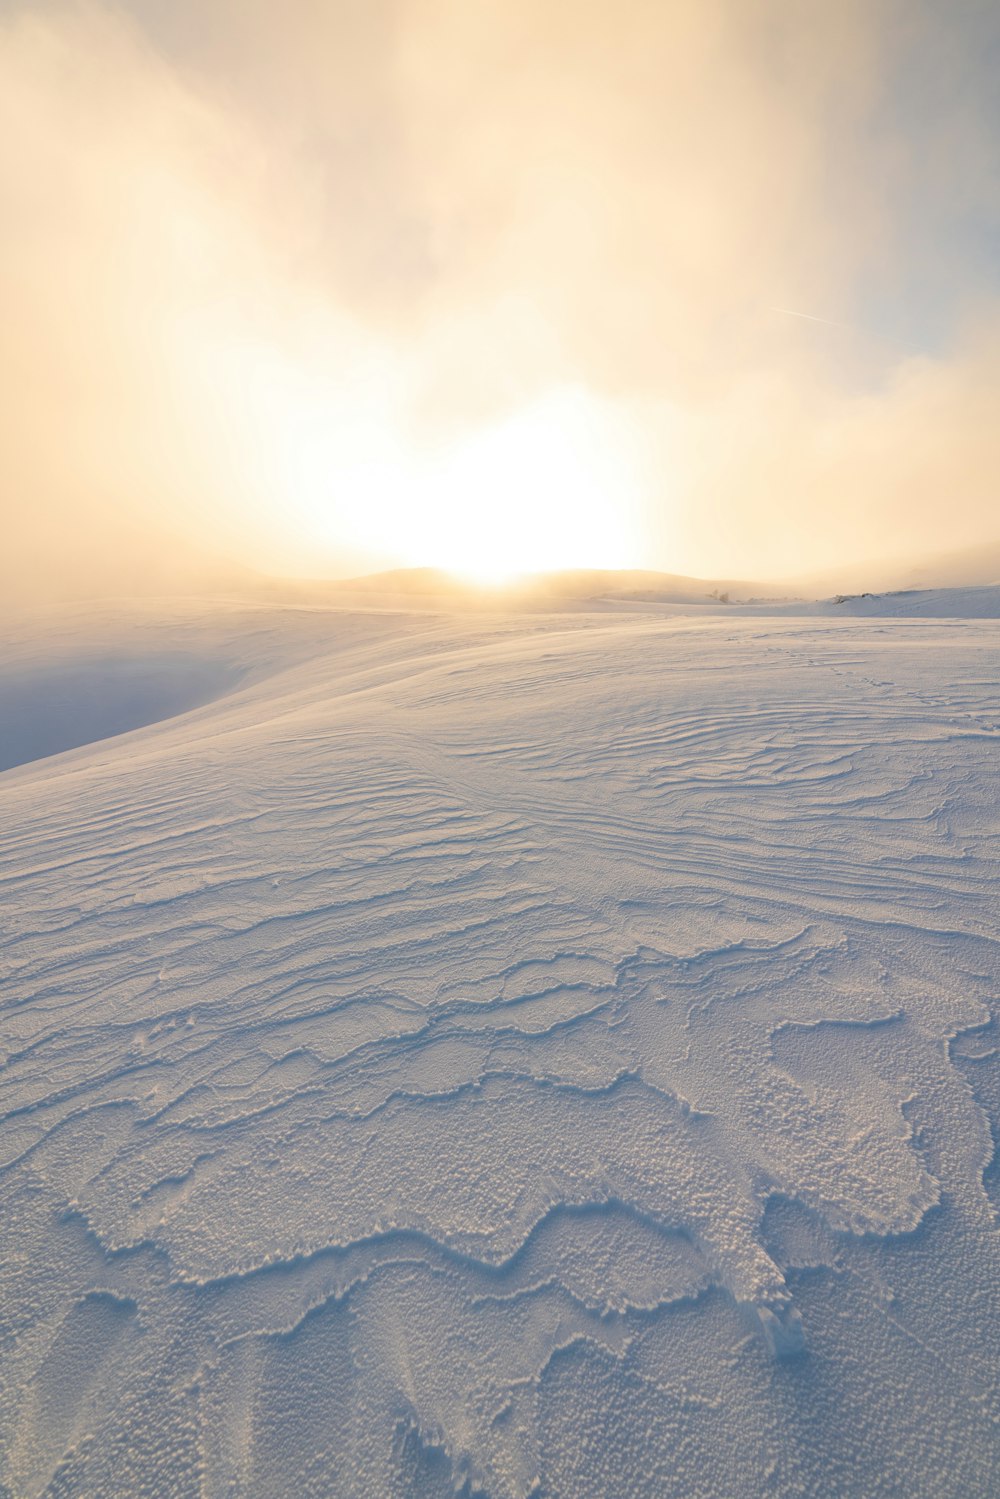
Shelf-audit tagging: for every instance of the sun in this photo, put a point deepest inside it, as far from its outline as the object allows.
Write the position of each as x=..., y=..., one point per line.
x=552, y=485
x=548, y=488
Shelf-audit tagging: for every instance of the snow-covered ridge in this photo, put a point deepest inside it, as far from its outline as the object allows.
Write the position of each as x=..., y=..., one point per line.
x=517, y=1051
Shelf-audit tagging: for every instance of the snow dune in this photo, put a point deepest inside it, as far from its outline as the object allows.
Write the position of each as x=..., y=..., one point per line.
x=507, y=1054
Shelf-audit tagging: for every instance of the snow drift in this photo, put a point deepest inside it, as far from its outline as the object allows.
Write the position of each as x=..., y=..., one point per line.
x=531, y=1054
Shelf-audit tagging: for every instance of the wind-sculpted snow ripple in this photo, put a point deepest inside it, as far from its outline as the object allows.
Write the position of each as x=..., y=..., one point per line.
x=547, y=1057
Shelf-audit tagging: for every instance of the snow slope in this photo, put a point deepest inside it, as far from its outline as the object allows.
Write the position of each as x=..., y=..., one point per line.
x=527, y=1054
x=980, y=602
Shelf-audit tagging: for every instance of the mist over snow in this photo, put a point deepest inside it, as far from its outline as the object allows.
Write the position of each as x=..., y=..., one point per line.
x=503, y=1053
x=327, y=288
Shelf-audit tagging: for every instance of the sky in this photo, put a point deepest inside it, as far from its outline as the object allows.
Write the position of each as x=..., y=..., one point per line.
x=711, y=286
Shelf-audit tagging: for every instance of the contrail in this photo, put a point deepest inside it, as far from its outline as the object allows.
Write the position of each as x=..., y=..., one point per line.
x=809, y=317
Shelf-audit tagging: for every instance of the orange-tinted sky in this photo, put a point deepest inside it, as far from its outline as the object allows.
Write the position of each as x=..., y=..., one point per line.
x=321, y=287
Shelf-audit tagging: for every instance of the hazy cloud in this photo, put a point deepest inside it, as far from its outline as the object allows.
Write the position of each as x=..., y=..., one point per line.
x=262, y=266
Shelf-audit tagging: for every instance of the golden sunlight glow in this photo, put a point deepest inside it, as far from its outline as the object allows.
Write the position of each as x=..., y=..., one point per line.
x=548, y=488
x=552, y=486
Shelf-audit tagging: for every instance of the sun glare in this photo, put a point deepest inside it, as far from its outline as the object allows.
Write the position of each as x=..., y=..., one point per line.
x=551, y=487
x=548, y=488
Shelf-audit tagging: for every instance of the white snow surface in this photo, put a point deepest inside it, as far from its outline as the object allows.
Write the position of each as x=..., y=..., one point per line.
x=527, y=1054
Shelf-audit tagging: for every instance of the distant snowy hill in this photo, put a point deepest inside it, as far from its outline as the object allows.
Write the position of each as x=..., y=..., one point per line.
x=513, y=1053
x=582, y=586
x=922, y=603
x=432, y=589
